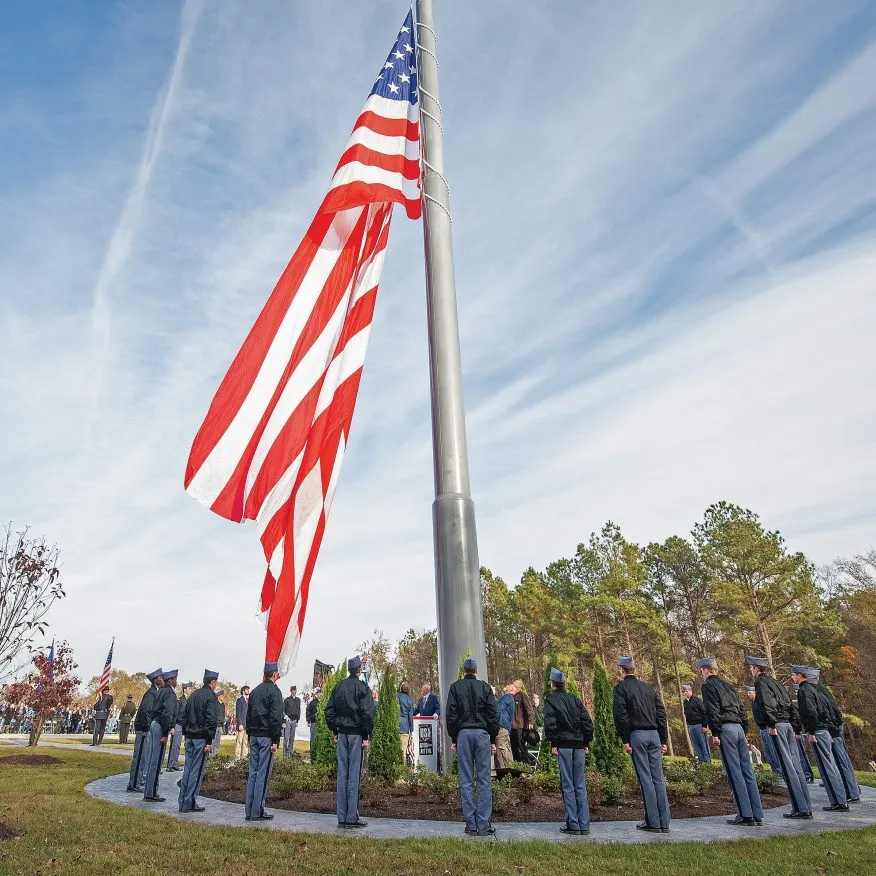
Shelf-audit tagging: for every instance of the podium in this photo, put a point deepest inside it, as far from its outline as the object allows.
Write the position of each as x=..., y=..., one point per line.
x=424, y=742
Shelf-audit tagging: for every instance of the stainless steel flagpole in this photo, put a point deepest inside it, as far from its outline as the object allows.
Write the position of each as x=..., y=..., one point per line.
x=457, y=571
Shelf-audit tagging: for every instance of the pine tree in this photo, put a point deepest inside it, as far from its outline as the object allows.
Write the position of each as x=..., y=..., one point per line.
x=606, y=749
x=385, y=758
x=325, y=750
x=547, y=763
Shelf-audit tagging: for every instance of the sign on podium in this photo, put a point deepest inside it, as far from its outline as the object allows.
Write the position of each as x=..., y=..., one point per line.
x=425, y=742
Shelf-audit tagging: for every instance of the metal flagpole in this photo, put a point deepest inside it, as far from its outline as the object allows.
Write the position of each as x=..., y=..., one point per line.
x=457, y=572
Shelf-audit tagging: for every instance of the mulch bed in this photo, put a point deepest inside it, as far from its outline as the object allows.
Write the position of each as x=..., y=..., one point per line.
x=7, y=832
x=399, y=802
x=29, y=760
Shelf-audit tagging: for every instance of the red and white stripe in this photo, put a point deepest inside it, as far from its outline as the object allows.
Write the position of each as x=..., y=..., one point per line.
x=271, y=446
x=107, y=669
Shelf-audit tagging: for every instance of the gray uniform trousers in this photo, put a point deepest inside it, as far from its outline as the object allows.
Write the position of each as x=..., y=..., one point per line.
x=174, y=747
x=473, y=753
x=261, y=759
x=803, y=758
x=349, y=778
x=648, y=766
x=769, y=751
x=217, y=741
x=740, y=772
x=99, y=730
x=571, y=762
x=312, y=736
x=153, y=755
x=786, y=747
x=699, y=742
x=138, y=762
x=844, y=764
x=193, y=774
x=830, y=775
x=289, y=728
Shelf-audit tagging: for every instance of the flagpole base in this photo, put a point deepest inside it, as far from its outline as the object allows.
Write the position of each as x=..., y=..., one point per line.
x=457, y=595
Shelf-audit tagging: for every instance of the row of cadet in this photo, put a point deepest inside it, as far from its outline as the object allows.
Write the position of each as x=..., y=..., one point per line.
x=640, y=721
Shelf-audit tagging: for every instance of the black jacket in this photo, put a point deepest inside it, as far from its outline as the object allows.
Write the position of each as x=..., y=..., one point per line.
x=165, y=709
x=180, y=709
x=814, y=707
x=638, y=707
x=835, y=721
x=694, y=711
x=350, y=708
x=567, y=722
x=310, y=714
x=264, y=716
x=723, y=705
x=773, y=702
x=471, y=705
x=758, y=714
x=104, y=705
x=201, y=715
x=143, y=718
x=292, y=708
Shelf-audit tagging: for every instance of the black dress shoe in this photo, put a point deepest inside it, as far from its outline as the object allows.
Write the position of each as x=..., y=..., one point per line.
x=471, y=831
x=132, y=790
x=266, y=816
x=570, y=830
x=647, y=827
x=742, y=822
x=840, y=807
x=803, y=816
x=664, y=830
x=154, y=799
x=758, y=822
x=179, y=783
x=854, y=799
x=197, y=809
x=487, y=831
x=352, y=825
x=248, y=818
x=810, y=781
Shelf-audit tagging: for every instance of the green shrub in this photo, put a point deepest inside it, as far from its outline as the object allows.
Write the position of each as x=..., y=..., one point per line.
x=547, y=782
x=412, y=778
x=607, y=750
x=524, y=789
x=678, y=770
x=767, y=781
x=443, y=786
x=301, y=777
x=614, y=789
x=385, y=759
x=325, y=751
x=503, y=797
x=681, y=791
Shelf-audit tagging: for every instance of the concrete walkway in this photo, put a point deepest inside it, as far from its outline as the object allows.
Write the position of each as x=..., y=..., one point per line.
x=112, y=789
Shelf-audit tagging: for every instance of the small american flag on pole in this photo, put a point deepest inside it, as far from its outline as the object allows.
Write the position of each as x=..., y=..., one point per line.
x=271, y=446
x=105, y=676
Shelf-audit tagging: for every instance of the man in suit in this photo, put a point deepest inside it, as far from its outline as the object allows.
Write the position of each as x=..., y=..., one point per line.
x=173, y=748
x=310, y=716
x=640, y=721
x=524, y=718
x=729, y=724
x=142, y=726
x=264, y=726
x=200, y=720
x=405, y=718
x=291, y=717
x=126, y=716
x=473, y=725
x=160, y=730
x=349, y=714
x=102, y=708
x=428, y=704
x=695, y=718
x=241, y=749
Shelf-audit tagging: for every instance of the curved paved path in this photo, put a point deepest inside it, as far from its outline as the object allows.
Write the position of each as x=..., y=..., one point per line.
x=112, y=789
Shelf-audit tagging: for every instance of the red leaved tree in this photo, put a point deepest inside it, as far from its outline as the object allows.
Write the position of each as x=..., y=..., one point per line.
x=50, y=686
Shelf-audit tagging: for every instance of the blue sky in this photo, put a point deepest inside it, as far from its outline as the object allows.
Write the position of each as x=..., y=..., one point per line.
x=665, y=218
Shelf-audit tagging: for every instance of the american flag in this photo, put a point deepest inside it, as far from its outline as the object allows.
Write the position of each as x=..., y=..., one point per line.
x=52, y=661
x=271, y=446
x=105, y=677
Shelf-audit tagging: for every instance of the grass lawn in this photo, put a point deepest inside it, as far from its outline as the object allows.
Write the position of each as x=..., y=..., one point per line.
x=66, y=832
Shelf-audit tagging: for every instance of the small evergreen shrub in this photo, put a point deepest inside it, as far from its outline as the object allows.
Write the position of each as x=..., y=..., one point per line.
x=614, y=789
x=443, y=786
x=385, y=759
x=681, y=791
x=607, y=750
x=325, y=750
x=767, y=781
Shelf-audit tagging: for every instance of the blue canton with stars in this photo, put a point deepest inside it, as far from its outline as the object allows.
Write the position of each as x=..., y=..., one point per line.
x=398, y=78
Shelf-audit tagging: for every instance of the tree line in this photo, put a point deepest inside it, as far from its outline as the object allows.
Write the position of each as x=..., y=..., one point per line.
x=730, y=587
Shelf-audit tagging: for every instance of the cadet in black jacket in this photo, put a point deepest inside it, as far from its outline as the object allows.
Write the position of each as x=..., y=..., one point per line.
x=769, y=749
x=773, y=711
x=264, y=724
x=173, y=748
x=568, y=727
x=695, y=718
x=837, y=739
x=473, y=725
x=640, y=720
x=200, y=719
x=728, y=723
x=349, y=714
x=162, y=727
x=142, y=723
x=815, y=716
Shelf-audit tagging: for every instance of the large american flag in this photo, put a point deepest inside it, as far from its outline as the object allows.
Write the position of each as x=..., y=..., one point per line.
x=271, y=446
x=107, y=668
